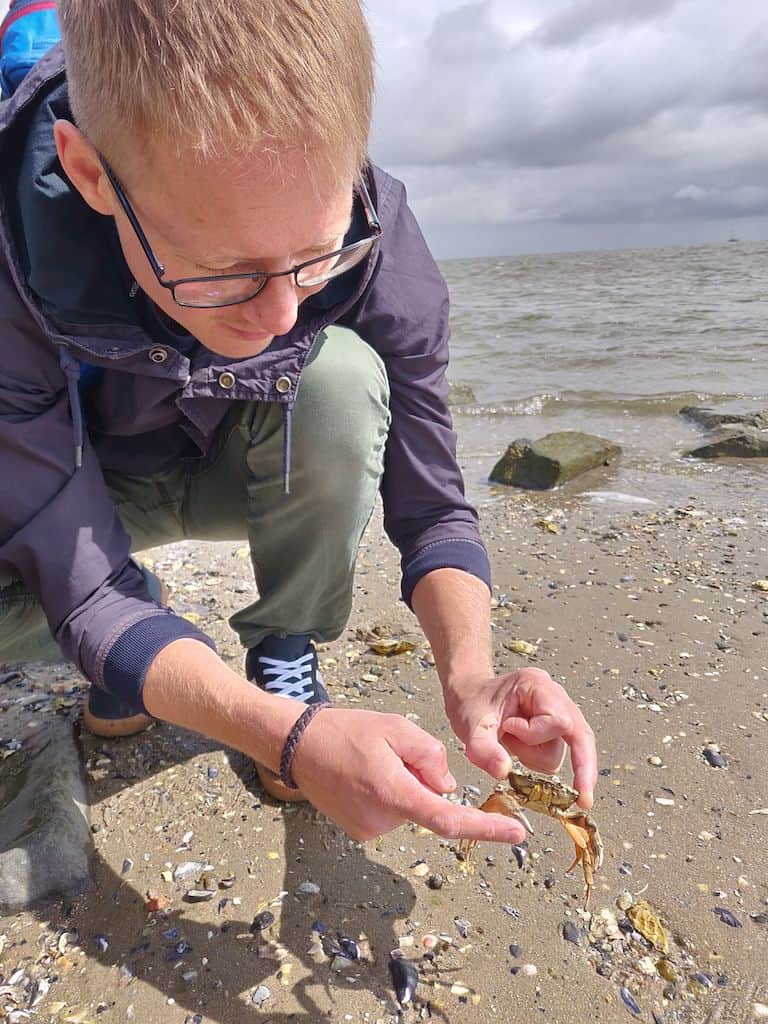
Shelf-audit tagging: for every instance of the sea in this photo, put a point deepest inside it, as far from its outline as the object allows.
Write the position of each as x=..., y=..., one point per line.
x=614, y=343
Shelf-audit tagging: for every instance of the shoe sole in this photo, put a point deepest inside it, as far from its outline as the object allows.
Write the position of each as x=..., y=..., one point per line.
x=272, y=784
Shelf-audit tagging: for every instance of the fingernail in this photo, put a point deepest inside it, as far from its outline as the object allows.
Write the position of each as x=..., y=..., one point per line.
x=450, y=782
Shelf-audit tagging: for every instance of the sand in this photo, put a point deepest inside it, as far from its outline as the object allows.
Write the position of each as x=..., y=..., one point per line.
x=652, y=621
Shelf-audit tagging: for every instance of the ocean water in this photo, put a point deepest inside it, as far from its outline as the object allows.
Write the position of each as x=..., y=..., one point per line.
x=614, y=343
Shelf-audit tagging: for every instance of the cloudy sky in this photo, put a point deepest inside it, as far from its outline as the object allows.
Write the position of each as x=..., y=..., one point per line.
x=541, y=125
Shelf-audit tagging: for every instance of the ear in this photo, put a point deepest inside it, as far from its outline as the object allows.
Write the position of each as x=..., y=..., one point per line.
x=83, y=167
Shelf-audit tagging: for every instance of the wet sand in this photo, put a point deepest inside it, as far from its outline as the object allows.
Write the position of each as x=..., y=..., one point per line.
x=652, y=621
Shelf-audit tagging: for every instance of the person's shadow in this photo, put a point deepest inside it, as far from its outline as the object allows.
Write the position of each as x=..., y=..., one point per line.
x=210, y=968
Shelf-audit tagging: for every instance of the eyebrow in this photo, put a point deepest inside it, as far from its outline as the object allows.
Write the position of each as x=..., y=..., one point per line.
x=320, y=247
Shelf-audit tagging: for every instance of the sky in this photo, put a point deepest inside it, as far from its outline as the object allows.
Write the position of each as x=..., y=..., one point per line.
x=550, y=125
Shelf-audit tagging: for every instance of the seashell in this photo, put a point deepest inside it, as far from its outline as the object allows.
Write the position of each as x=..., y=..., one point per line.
x=726, y=917
x=667, y=970
x=308, y=889
x=348, y=946
x=516, y=950
x=341, y=963
x=262, y=921
x=629, y=1001
x=714, y=757
x=462, y=926
x=199, y=895
x=520, y=854
x=647, y=923
x=101, y=942
x=435, y=881
x=405, y=978
x=521, y=647
x=190, y=867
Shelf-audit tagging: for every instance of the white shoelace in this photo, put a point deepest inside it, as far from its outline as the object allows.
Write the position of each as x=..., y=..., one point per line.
x=289, y=678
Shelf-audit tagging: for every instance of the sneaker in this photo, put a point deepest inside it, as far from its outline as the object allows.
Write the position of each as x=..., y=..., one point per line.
x=286, y=667
x=103, y=714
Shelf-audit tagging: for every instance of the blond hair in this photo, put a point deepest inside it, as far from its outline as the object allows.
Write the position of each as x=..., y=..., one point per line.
x=209, y=77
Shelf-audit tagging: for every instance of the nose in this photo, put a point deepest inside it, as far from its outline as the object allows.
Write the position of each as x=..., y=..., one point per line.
x=275, y=309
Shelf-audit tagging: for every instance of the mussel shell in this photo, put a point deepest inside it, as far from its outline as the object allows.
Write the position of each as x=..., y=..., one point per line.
x=405, y=978
x=348, y=946
x=262, y=921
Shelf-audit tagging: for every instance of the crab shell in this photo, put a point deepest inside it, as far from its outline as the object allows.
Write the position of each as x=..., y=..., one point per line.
x=541, y=793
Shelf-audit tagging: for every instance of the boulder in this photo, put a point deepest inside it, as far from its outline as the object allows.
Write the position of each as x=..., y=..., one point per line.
x=460, y=394
x=45, y=839
x=553, y=459
x=710, y=419
x=734, y=443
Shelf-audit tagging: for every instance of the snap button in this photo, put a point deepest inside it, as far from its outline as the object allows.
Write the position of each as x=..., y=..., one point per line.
x=226, y=380
x=283, y=385
x=158, y=355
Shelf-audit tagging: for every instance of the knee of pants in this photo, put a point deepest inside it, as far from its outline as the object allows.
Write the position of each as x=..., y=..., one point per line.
x=341, y=418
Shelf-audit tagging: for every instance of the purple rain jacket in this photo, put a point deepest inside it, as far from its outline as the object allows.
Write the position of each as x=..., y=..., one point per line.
x=87, y=386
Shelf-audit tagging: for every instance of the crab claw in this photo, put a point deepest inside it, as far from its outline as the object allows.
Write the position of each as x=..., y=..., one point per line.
x=589, y=848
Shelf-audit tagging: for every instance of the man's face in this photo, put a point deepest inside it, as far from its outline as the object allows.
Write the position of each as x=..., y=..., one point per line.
x=235, y=216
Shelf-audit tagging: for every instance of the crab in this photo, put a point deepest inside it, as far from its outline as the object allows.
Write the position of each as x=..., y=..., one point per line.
x=548, y=795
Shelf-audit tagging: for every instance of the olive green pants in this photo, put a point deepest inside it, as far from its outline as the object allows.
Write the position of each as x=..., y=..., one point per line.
x=303, y=545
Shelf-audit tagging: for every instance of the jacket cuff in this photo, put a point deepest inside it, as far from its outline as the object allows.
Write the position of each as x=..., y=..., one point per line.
x=129, y=658
x=470, y=556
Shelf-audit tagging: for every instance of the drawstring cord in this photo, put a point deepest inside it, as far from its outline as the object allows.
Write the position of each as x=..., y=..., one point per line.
x=287, y=424
x=71, y=369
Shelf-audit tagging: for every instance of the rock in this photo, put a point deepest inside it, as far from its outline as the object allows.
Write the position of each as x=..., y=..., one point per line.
x=733, y=442
x=460, y=394
x=553, y=459
x=711, y=420
x=45, y=838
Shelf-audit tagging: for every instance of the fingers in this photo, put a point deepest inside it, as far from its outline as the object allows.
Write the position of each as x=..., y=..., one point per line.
x=584, y=763
x=546, y=757
x=484, y=749
x=424, y=756
x=456, y=821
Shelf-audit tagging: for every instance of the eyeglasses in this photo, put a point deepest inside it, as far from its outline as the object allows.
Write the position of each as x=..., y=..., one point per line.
x=232, y=289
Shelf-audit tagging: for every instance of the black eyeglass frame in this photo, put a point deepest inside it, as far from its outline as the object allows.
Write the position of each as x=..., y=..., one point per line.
x=260, y=277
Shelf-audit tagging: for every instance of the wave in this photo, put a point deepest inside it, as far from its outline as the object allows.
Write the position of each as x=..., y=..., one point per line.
x=598, y=401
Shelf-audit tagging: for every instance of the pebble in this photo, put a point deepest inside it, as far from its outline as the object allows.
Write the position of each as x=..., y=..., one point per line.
x=625, y=900
x=572, y=933
x=420, y=869
x=435, y=881
x=529, y=970
x=462, y=926
x=260, y=995
x=656, y=761
x=127, y=865
x=760, y=1011
x=308, y=889
x=515, y=950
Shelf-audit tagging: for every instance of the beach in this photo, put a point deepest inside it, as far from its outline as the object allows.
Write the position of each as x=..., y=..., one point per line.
x=655, y=620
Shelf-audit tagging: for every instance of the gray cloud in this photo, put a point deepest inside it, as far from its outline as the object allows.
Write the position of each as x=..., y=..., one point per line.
x=545, y=112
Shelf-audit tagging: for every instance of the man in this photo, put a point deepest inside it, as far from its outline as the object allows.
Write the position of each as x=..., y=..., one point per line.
x=217, y=319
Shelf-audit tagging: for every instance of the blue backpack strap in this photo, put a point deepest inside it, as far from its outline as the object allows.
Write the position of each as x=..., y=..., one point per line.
x=28, y=31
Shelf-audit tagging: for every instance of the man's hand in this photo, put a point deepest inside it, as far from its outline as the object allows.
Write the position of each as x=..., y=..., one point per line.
x=371, y=772
x=529, y=715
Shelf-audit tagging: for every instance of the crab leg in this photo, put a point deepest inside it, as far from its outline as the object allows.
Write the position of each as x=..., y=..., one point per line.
x=497, y=803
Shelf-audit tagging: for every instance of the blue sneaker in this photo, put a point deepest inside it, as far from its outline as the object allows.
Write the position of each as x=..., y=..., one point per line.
x=285, y=666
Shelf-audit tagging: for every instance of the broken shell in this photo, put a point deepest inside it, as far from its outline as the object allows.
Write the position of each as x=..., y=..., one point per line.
x=629, y=1001
x=405, y=978
x=572, y=933
x=199, y=895
x=262, y=921
x=713, y=757
x=726, y=916
x=647, y=923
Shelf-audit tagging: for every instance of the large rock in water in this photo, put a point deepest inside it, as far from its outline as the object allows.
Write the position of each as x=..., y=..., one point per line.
x=45, y=839
x=553, y=459
x=460, y=394
x=734, y=443
x=710, y=419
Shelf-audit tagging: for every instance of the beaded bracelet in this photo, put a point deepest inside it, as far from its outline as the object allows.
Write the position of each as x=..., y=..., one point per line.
x=292, y=741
